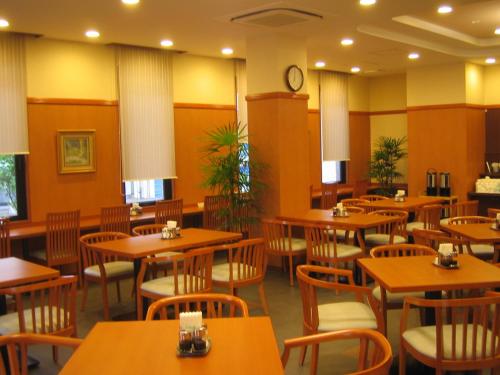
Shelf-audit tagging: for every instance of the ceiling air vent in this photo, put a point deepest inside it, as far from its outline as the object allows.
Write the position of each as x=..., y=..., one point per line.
x=276, y=17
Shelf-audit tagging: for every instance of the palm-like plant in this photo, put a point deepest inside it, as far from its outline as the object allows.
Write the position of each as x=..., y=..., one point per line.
x=230, y=172
x=383, y=165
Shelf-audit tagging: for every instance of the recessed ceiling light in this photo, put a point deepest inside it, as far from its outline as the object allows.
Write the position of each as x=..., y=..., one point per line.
x=444, y=9
x=320, y=64
x=355, y=69
x=227, y=51
x=166, y=43
x=347, y=42
x=92, y=34
x=367, y=2
x=413, y=56
x=490, y=60
x=4, y=23
x=130, y=2
x=497, y=31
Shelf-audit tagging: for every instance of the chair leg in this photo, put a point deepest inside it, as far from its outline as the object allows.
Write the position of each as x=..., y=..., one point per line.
x=139, y=307
x=105, y=300
x=55, y=354
x=303, y=350
x=290, y=270
x=118, y=293
x=263, y=299
x=84, y=296
x=314, y=360
x=402, y=360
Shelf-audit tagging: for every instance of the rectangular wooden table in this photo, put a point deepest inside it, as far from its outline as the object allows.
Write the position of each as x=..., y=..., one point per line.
x=411, y=204
x=239, y=346
x=15, y=271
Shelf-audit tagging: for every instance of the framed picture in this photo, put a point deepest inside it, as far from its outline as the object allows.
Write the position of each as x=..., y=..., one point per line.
x=76, y=151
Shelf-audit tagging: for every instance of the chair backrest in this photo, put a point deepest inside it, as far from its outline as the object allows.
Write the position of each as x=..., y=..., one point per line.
x=214, y=305
x=144, y=230
x=373, y=197
x=470, y=327
x=215, y=212
x=353, y=201
x=5, y=249
x=374, y=356
x=91, y=257
x=169, y=210
x=52, y=306
x=278, y=236
x=115, y=219
x=321, y=244
x=401, y=250
x=430, y=215
x=247, y=261
x=394, y=228
x=470, y=220
x=328, y=195
x=354, y=210
x=492, y=212
x=17, y=349
x=465, y=208
x=63, y=233
x=433, y=238
x=360, y=188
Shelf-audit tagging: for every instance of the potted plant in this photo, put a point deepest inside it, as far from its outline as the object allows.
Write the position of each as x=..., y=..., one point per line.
x=230, y=172
x=383, y=164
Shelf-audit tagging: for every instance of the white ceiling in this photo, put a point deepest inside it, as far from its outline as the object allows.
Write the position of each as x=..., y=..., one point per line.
x=384, y=33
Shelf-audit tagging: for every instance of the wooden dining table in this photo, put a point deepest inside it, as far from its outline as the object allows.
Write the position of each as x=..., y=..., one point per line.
x=410, y=204
x=238, y=346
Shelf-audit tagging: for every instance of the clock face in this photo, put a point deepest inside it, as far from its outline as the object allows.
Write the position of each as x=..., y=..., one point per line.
x=294, y=78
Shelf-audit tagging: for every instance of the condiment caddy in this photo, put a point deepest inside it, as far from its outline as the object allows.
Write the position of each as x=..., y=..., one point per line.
x=193, y=335
x=170, y=231
x=447, y=257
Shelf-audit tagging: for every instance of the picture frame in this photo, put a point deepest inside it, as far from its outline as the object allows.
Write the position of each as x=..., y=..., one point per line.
x=76, y=151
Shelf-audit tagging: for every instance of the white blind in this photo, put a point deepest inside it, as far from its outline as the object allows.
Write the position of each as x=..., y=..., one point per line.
x=146, y=113
x=241, y=92
x=13, y=108
x=334, y=116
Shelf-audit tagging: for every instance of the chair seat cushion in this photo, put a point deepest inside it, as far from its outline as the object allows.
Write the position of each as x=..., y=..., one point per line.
x=395, y=297
x=344, y=250
x=40, y=254
x=9, y=323
x=345, y=315
x=220, y=272
x=341, y=234
x=299, y=244
x=112, y=269
x=482, y=249
x=444, y=221
x=383, y=239
x=164, y=286
x=166, y=254
x=423, y=339
x=413, y=225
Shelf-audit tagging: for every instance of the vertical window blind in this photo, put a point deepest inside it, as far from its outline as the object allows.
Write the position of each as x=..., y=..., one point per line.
x=13, y=108
x=146, y=113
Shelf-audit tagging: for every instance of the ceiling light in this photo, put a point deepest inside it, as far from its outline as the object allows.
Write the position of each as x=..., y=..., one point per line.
x=227, y=51
x=4, y=23
x=367, y=2
x=319, y=64
x=490, y=60
x=413, y=56
x=497, y=31
x=347, y=42
x=355, y=69
x=166, y=43
x=130, y=2
x=92, y=34
x=443, y=9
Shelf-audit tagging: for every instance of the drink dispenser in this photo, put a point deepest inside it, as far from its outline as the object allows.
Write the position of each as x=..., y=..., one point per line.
x=444, y=184
x=431, y=182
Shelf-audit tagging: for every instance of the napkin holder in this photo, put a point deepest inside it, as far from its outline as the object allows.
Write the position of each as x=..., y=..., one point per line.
x=446, y=257
x=135, y=209
x=193, y=335
x=400, y=196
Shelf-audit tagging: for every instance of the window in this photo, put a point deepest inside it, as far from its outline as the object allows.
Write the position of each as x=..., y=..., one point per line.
x=333, y=171
x=12, y=187
x=147, y=191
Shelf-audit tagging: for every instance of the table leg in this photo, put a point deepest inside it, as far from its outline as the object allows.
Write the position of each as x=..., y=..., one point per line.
x=429, y=314
x=137, y=268
x=359, y=240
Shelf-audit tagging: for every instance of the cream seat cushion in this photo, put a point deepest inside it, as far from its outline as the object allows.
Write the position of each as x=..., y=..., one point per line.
x=166, y=254
x=395, y=297
x=444, y=221
x=413, y=225
x=298, y=244
x=482, y=249
x=164, y=286
x=117, y=268
x=383, y=239
x=341, y=234
x=423, y=339
x=9, y=323
x=344, y=250
x=345, y=315
x=220, y=272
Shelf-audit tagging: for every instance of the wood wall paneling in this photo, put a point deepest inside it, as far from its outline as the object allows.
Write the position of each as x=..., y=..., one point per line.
x=493, y=135
x=314, y=130
x=359, y=144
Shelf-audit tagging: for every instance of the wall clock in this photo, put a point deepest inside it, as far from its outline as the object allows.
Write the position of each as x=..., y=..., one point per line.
x=294, y=78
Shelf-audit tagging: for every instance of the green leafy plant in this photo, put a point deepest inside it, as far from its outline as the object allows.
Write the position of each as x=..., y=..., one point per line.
x=8, y=178
x=230, y=172
x=383, y=165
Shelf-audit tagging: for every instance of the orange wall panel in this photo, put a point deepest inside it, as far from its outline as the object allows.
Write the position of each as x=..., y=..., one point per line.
x=359, y=144
x=314, y=130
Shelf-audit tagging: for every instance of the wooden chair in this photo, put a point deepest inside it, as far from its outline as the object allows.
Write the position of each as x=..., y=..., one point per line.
x=492, y=212
x=388, y=300
x=462, y=338
x=328, y=196
x=215, y=212
x=17, y=349
x=373, y=197
x=323, y=247
x=433, y=238
x=466, y=208
x=169, y=210
x=48, y=308
x=5, y=249
x=389, y=233
x=246, y=265
x=214, y=305
x=147, y=229
x=334, y=316
x=360, y=188
x=375, y=353
x=101, y=268
x=62, y=240
x=279, y=241
x=481, y=250
x=347, y=236
x=191, y=273
x=427, y=217
x=353, y=201
x=116, y=219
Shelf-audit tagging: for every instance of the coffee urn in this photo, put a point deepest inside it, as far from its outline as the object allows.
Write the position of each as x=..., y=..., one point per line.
x=431, y=182
x=444, y=184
